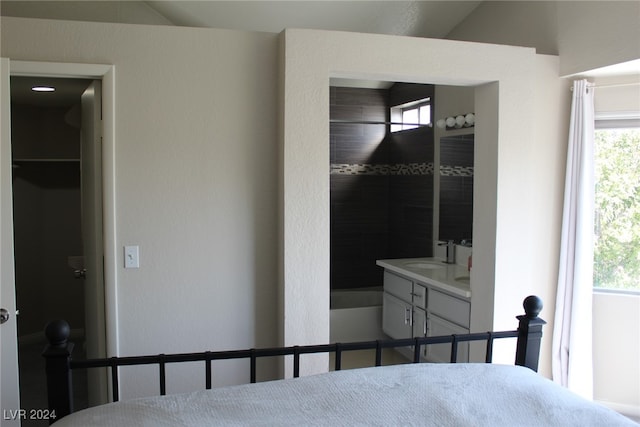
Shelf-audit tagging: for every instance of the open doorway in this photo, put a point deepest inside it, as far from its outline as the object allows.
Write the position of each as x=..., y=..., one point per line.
x=47, y=203
x=381, y=194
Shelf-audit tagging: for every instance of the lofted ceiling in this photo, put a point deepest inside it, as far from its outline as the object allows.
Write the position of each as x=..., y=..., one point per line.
x=433, y=19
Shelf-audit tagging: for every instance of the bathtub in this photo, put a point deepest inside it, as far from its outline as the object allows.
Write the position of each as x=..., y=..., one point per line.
x=356, y=315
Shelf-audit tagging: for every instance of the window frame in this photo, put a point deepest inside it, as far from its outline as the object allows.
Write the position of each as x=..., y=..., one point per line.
x=615, y=120
x=397, y=115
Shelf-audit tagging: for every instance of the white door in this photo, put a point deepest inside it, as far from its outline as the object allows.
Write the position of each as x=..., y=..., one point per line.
x=9, y=391
x=92, y=237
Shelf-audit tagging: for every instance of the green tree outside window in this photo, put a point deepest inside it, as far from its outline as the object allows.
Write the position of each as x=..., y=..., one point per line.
x=617, y=216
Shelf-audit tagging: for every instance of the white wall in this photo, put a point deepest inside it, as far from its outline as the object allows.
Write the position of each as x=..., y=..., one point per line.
x=616, y=94
x=512, y=85
x=585, y=34
x=196, y=181
x=196, y=173
x=616, y=317
x=616, y=333
x=517, y=23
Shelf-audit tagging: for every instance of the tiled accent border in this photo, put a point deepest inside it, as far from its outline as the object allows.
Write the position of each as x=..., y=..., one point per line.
x=369, y=169
x=398, y=169
x=456, y=170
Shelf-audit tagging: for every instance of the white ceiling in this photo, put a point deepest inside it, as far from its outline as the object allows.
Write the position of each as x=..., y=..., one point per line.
x=426, y=18
x=407, y=18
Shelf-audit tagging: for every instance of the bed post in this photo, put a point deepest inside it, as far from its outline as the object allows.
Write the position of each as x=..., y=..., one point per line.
x=529, y=333
x=57, y=356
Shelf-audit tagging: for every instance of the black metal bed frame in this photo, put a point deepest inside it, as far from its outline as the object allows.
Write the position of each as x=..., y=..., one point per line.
x=59, y=364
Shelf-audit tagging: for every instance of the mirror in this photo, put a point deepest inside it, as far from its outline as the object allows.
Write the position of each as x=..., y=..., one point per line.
x=456, y=187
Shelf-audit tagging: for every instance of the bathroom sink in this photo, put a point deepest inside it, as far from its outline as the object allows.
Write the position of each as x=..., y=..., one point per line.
x=424, y=265
x=463, y=279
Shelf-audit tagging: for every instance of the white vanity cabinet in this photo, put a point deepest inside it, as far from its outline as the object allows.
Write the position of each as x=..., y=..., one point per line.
x=415, y=309
x=448, y=315
x=442, y=352
x=403, y=303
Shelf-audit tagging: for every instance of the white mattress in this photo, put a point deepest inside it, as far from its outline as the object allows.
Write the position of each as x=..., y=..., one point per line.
x=416, y=394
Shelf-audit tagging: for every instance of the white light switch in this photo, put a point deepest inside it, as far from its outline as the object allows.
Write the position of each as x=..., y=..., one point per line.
x=131, y=257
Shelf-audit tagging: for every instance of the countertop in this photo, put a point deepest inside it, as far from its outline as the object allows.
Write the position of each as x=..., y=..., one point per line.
x=452, y=278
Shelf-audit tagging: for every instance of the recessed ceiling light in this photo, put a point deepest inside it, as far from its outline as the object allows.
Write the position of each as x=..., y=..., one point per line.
x=43, y=89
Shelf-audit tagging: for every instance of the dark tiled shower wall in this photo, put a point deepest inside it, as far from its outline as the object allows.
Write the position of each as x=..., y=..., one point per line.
x=359, y=212
x=411, y=196
x=375, y=211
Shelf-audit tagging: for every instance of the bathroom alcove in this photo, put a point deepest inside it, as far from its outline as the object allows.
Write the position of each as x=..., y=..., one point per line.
x=505, y=82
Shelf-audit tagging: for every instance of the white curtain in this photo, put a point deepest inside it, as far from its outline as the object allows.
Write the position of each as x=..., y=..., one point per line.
x=572, y=334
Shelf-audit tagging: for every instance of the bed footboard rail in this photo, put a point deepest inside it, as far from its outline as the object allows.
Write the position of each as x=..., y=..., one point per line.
x=59, y=363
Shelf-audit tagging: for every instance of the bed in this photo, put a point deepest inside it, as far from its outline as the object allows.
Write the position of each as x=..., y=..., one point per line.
x=430, y=394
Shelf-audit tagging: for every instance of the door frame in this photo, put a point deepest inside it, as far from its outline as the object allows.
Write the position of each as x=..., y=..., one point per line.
x=105, y=73
x=9, y=381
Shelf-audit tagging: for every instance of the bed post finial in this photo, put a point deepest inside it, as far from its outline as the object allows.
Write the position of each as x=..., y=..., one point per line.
x=57, y=356
x=530, y=333
x=532, y=306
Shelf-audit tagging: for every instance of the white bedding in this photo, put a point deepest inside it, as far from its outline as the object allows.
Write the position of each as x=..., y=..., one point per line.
x=416, y=394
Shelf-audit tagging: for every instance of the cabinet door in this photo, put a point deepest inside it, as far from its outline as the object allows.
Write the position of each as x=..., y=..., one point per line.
x=396, y=317
x=419, y=321
x=437, y=326
x=450, y=308
x=419, y=295
x=398, y=286
x=419, y=327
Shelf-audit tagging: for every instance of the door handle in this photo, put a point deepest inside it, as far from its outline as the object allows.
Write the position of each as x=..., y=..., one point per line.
x=80, y=274
x=4, y=316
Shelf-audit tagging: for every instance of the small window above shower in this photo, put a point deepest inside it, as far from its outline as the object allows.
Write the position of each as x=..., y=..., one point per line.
x=411, y=115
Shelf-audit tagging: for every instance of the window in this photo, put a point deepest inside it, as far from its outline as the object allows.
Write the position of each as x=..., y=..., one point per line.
x=411, y=115
x=617, y=205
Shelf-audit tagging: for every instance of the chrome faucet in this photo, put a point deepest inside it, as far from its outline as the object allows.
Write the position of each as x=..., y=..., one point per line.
x=451, y=251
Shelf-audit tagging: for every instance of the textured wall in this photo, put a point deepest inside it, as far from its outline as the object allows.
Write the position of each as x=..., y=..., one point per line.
x=509, y=83
x=195, y=163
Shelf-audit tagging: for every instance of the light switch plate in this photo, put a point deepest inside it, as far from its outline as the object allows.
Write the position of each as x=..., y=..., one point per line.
x=131, y=257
